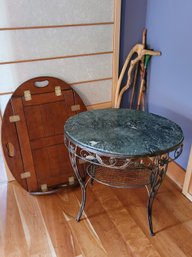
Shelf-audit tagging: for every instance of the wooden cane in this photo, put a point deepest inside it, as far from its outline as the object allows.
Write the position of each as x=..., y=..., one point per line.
x=144, y=38
x=134, y=85
x=142, y=72
x=143, y=81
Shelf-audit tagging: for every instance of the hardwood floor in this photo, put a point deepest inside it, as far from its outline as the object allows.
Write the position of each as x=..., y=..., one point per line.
x=114, y=223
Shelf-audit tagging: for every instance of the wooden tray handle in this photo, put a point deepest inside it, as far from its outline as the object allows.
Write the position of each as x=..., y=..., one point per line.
x=40, y=85
x=43, y=83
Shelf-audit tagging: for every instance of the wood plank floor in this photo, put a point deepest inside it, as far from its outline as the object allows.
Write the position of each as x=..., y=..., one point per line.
x=114, y=223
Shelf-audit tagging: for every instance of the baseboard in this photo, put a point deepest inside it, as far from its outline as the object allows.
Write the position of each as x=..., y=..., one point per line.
x=99, y=106
x=176, y=173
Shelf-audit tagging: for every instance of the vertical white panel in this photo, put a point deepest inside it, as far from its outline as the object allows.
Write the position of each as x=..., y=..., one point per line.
x=45, y=43
x=58, y=42
x=21, y=13
x=94, y=92
x=70, y=70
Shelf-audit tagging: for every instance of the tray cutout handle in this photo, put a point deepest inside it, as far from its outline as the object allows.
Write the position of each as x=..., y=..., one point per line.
x=43, y=83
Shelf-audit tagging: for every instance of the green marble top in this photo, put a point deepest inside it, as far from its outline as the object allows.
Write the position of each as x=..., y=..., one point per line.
x=123, y=132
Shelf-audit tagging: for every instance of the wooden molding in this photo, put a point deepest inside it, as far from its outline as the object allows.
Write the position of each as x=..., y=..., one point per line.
x=6, y=93
x=59, y=26
x=99, y=106
x=71, y=84
x=56, y=57
x=116, y=45
x=176, y=173
x=89, y=81
x=187, y=187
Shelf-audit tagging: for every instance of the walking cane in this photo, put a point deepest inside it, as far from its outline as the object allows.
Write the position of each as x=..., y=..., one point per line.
x=143, y=83
x=144, y=40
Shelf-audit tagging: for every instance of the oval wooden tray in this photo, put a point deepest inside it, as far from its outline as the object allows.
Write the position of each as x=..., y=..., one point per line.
x=32, y=133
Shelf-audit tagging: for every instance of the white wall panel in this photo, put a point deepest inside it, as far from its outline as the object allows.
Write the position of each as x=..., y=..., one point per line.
x=42, y=43
x=19, y=13
x=95, y=92
x=70, y=69
x=3, y=102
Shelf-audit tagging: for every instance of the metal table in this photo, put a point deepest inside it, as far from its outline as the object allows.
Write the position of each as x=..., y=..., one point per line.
x=124, y=148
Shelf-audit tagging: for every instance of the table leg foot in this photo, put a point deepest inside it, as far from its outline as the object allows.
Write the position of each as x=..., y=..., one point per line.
x=151, y=233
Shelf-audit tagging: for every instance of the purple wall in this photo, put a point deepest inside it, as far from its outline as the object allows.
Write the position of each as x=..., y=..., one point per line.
x=170, y=75
x=170, y=79
x=133, y=17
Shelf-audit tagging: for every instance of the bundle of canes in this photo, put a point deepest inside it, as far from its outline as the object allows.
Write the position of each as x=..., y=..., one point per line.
x=143, y=56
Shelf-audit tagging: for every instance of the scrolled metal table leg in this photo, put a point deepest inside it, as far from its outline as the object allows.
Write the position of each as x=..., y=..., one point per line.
x=157, y=176
x=73, y=159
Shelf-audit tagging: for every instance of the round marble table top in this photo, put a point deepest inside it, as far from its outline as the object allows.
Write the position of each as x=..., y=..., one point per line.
x=123, y=132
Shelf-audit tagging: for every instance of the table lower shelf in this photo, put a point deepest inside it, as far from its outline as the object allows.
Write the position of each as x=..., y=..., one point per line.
x=120, y=178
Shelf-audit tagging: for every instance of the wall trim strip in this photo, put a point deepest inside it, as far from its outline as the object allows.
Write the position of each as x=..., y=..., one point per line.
x=56, y=57
x=59, y=26
x=71, y=84
x=99, y=106
x=6, y=93
x=89, y=81
x=116, y=45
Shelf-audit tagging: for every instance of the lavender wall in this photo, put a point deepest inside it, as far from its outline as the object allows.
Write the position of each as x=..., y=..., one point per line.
x=170, y=79
x=170, y=76
x=133, y=18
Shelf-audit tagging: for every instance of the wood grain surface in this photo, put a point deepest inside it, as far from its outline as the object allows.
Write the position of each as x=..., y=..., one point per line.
x=34, y=145
x=114, y=223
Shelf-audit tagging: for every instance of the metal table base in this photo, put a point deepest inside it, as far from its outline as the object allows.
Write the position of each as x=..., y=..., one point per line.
x=155, y=167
